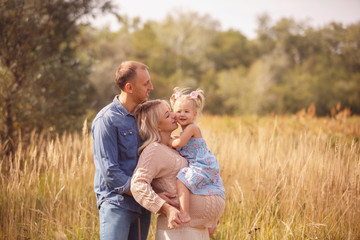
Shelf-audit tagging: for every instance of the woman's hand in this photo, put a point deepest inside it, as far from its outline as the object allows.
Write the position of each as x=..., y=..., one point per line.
x=168, y=198
x=172, y=215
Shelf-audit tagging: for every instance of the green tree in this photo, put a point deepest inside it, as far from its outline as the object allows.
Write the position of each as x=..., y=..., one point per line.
x=308, y=66
x=230, y=49
x=148, y=47
x=235, y=90
x=265, y=40
x=43, y=82
x=289, y=66
x=107, y=50
x=188, y=35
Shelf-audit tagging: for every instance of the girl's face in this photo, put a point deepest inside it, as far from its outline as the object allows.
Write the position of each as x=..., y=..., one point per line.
x=185, y=112
x=167, y=121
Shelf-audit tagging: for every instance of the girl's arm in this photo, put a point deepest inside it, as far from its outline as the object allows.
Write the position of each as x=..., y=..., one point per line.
x=190, y=131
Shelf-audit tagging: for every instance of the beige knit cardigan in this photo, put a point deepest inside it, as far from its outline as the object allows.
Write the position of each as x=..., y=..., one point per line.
x=156, y=172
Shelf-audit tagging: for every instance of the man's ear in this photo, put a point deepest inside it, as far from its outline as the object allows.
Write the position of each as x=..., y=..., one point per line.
x=128, y=87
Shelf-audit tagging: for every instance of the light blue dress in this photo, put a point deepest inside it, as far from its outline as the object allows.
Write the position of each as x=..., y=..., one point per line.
x=202, y=176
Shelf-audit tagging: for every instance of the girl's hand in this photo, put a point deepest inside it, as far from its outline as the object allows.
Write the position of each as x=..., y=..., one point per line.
x=170, y=142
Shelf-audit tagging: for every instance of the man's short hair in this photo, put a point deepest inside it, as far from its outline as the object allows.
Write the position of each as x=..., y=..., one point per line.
x=126, y=72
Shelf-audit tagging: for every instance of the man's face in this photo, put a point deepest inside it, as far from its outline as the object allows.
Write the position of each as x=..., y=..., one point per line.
x=142, y=85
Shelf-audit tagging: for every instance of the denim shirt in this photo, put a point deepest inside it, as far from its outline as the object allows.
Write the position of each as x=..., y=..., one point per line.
x=115, y=145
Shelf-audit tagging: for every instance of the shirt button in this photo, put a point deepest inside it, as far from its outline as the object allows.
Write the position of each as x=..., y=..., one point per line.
x=130, y=133
x=124, y=134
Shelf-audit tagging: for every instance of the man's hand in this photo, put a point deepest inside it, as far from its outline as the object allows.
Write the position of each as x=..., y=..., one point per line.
x=172, y=215
x=167, y=197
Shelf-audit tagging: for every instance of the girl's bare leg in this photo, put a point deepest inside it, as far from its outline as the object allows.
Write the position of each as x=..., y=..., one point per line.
x=184, y=198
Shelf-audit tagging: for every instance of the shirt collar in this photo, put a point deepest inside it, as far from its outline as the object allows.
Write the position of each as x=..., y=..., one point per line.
x=120, y=107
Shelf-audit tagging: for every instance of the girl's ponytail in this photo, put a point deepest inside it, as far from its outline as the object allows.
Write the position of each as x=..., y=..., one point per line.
x=196, y=96
x=199, y=98
x=178, y=93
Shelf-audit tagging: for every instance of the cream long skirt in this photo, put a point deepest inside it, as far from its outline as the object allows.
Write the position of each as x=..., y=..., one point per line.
x=183, y=234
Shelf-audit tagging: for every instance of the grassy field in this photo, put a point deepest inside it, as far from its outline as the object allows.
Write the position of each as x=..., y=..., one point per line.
x=293, y=177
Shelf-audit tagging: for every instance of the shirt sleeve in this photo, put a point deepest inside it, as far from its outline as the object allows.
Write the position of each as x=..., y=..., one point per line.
x=106, y=157
x=148, y=168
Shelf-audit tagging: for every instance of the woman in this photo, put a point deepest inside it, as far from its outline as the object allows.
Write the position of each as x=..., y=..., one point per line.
x=156, y=172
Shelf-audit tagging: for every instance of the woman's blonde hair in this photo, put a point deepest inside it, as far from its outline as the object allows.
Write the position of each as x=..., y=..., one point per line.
x=197, y=97
x=147, y=119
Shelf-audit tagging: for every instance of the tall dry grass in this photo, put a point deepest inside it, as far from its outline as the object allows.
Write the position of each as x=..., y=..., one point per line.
x=288, y=179
x=285, y=178
x=47, y=189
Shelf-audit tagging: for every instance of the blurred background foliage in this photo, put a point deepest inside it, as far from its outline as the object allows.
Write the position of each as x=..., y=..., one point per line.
x=56, y=69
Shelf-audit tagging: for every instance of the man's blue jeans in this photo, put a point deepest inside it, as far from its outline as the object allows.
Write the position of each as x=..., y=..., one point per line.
x=121, y=224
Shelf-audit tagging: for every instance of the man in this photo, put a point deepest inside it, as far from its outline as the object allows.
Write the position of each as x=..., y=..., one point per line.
x=115, y=147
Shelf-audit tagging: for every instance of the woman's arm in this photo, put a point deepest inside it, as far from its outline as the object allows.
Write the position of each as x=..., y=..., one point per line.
x=190, y=131
x=152, y=165
x=141, y=186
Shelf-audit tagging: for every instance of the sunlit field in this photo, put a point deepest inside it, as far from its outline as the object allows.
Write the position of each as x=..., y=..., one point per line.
x=293, y=177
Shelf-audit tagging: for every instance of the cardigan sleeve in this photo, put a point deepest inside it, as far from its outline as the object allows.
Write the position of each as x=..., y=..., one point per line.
x=150, y=165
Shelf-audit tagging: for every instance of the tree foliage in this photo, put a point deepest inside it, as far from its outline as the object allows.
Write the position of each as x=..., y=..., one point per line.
x=287, y=67
x=53, y=69
x=43, y=80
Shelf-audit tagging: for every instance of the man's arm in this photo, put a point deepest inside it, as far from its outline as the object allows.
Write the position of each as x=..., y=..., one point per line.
x=106, y=157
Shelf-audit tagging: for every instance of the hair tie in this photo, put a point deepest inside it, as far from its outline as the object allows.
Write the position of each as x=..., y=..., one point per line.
x=194, y=94
x=177, y=95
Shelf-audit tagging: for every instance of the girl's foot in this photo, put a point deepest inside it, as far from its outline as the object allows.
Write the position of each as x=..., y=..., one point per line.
x=185, y=217
x=211, y=231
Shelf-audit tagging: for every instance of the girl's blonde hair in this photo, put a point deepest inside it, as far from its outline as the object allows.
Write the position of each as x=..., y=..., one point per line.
x=147, y=119
x=197, y=97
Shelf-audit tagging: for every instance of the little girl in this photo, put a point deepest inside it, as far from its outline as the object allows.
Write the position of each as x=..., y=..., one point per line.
x=202, y=176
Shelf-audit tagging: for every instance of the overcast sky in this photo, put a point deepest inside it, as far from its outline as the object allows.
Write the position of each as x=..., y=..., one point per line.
x=241, y=15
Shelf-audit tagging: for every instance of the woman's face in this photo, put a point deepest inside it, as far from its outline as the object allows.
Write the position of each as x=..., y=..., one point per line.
x=167, y=122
